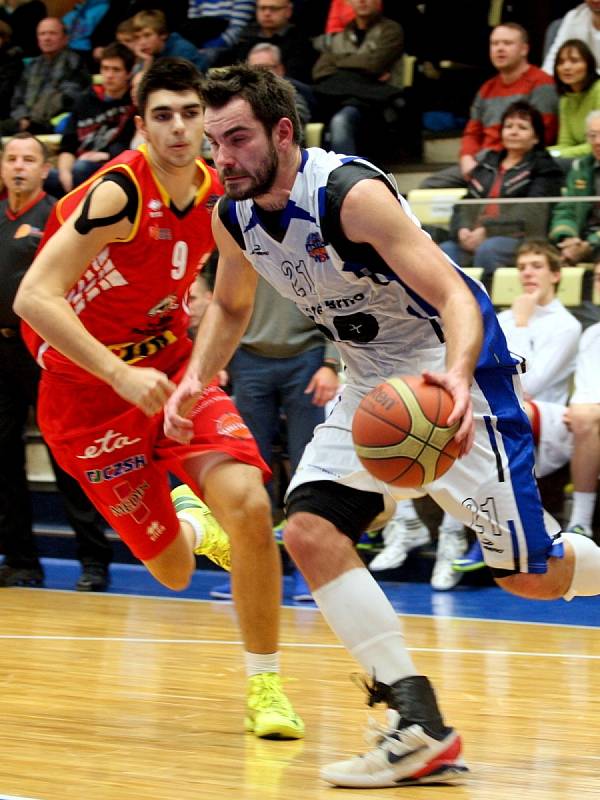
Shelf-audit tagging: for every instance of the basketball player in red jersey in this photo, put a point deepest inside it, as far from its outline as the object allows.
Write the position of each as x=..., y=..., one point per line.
x=105, y=297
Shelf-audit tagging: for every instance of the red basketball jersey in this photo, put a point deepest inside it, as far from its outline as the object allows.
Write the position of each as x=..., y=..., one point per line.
x=132, y=295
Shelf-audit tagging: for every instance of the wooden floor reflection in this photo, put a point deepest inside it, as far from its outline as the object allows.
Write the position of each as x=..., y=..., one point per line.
x=134, y=698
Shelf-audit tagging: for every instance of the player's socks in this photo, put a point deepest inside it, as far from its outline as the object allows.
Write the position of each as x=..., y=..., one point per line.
x=362, y=617
x=211, y=539
x=269, y=713
x=582, y=512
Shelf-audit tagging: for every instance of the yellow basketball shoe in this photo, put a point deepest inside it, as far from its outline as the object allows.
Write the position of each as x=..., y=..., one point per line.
x=215, y=542
x=269, y=713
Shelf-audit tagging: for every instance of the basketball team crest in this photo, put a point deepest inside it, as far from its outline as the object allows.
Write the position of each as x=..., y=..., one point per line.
x=233, y=425
x=315, y=247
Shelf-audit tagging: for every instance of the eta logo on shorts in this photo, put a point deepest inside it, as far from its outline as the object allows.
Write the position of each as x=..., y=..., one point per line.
x=108, y=443
x=117, y=469
x=233, y=425
x=315, y=247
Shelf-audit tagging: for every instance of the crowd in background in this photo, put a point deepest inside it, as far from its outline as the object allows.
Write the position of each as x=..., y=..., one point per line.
x=379, y=75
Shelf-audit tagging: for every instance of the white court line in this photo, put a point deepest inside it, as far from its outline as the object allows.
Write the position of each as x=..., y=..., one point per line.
x=15, y=797
x=305, y=645
x=313, y=608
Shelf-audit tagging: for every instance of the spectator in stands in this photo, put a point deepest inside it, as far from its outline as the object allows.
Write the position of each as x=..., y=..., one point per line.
x=125, y=33
x=216, y=24
x=575, y=227
x=340, y=14
x=22, y=218
x=583, y=419
x=81, y=22
x=100, y=125
x=50, y=83
x=120, y=10
x=582, y=22
x=269, y=56
x=11, y=67
x=153, y=40
x=488, y=235
x=272, y=25
x=516, y=80
x=578, y=86
x=358, y=74
x=540, y=330
x=23, y=16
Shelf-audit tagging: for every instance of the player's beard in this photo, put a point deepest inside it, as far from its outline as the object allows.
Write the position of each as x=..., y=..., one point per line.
x=260, y=182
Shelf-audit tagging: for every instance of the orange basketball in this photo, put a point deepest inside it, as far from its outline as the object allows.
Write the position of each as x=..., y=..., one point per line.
x=401, y=432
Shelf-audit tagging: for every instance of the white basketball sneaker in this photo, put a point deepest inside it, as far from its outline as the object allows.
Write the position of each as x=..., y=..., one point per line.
x=452, y=543
x=400, y=538
x=405, y=752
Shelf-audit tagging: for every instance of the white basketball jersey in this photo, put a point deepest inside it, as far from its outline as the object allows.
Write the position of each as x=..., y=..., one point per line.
x=380, y=325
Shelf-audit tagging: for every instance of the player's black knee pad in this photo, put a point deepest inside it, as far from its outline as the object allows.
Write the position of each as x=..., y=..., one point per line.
x=350, y=510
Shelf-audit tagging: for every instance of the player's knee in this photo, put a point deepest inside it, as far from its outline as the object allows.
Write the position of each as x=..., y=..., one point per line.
x=534, y=587
x=305, y=535
x=176, y=578
x=249, y=518
x=584, y=420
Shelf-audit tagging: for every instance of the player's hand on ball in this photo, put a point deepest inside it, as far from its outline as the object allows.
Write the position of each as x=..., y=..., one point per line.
x=144, y=387
x=177, y=424
x=459, y=387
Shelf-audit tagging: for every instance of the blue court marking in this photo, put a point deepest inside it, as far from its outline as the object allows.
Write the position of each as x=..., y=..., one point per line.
x=469, y=602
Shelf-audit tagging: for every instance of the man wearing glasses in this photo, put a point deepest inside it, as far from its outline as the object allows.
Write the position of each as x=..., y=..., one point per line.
x=272, y=25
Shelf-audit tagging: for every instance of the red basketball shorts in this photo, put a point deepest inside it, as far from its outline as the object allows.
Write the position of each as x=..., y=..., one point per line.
x=121, y=457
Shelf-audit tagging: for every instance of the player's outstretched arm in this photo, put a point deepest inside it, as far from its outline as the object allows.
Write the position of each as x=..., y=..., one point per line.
x=41, y=299
x=223, y=325
x=370, y=213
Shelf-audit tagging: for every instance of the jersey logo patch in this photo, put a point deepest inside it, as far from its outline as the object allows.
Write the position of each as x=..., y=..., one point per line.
x=233, y=425
x=160, y=234
x=27, y=230
x=101, y=276
x=315, y=247
x=130, y=352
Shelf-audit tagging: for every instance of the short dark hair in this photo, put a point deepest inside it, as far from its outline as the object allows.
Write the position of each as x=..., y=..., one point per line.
x=270, y=97
x=119, y=50
x=28, y=135
x=514, y=26
x=591, y=76
x=174, y=74
x=524, y=110
x=543, y=248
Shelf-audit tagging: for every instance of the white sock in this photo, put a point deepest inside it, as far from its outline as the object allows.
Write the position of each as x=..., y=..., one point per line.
x=450, y=523
x=361, y=616
x=582, y=511
x=405, y=511
x=256, y=663
x=196, y=527
x=586, y=577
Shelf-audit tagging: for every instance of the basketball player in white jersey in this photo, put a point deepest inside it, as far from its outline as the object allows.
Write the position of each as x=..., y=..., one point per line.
x=331, y=233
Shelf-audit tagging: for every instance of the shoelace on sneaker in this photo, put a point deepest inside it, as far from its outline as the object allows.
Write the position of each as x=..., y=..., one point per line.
x=267, y=693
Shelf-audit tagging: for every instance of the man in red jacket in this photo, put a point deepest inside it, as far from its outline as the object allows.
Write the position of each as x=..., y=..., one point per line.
x=517, y=79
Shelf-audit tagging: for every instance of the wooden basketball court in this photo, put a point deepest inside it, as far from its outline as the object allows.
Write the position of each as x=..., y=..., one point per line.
x=108, y=697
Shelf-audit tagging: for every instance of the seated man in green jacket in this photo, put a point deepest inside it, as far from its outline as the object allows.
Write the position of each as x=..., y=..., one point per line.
x=575, y=227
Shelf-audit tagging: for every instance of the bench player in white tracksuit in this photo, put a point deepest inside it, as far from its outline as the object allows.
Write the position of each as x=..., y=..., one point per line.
x=331, y=233
x=545, y=335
